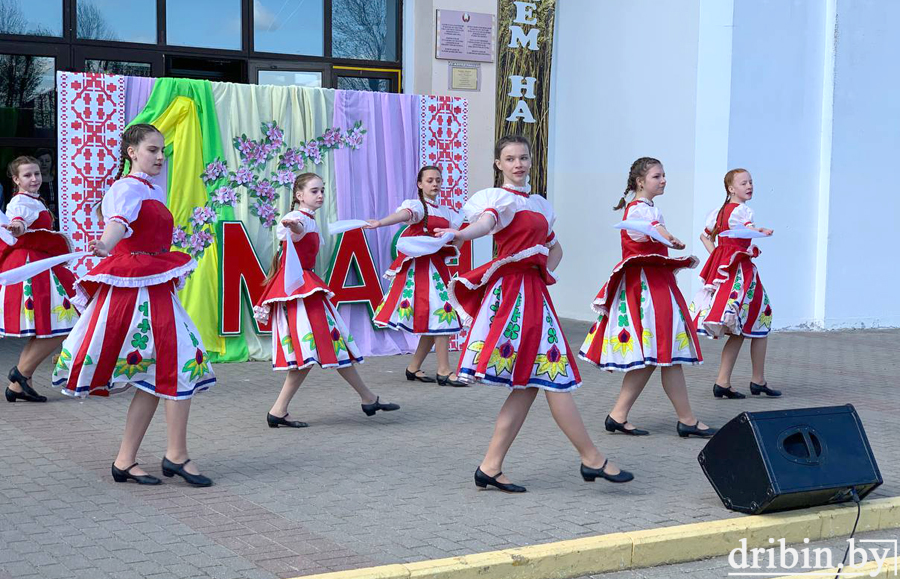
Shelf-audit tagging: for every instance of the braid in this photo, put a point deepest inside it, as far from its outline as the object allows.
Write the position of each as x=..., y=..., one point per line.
x=425, y=208
x=638, y=170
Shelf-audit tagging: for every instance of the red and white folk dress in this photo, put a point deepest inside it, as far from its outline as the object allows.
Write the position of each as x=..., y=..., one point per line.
x=306, y=328
x=515, y=338
x=418, y=300
x=40, y=306
x=732, y=300
x=134, y=330
x=643, y=318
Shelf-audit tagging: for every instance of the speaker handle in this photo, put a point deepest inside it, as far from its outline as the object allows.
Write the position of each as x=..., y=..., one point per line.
x=807, y=433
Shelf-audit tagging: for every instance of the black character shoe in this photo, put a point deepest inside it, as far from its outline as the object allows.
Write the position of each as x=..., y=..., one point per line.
x=613, y=426
x=446, y=381
x=170, y=469
x=590, y=474
x=120, y=475
x=371, y=409
x=720, y=392
x=30, y=393
x=757, y=389
x=684, y=430
x=12, y=396
x=482, y=481
x=275, y=422
x=415, y=376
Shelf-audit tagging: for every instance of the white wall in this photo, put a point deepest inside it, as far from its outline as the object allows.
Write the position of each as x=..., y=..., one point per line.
x=625, y=87
x=775, y=132
x=862, y=226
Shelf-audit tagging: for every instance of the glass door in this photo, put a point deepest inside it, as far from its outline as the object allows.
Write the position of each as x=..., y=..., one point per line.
x=369, y=79
x=285, y=74
x=118, y=61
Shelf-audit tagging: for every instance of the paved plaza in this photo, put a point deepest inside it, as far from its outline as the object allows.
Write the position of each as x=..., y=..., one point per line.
x=352, y=491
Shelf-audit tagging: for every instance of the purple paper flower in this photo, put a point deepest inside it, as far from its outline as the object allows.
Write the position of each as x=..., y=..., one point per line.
x=202, y=216
x=179, y=237
x=285, y=177
x=225, y=196
x=265, y=190
x=274, y=134
x=199, y=241
x=214, y=170
x=332, y=137
x=313, y=152
x=243, y=176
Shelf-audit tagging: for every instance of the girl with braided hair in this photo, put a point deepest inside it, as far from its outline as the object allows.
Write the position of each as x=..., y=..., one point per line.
x=733, y=300
x=134, y=330
x=643, y=318
x=418, y=301
x=40, y=308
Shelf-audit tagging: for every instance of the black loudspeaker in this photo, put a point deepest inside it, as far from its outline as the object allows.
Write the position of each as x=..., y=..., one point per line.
x=762, y=462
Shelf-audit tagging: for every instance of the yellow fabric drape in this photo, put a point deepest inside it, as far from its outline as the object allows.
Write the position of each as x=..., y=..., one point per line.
x=181, y=127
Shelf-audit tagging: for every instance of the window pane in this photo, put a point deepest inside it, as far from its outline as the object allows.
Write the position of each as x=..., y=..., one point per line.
x=369, y=84
x=289, y=26
x=27, y=96
x=131, y=21
x=204, y=23
x=46, y=158
x=38, y=17
x=290, y=78
x=364, y=29
x=118, y=67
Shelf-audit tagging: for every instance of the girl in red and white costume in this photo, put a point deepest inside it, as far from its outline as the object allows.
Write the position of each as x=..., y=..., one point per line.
x=134, y=330
x=733, y=300
x=306, y=328
x=515, y=339
x=644, y=320
x=39, y=308
x=418, y=301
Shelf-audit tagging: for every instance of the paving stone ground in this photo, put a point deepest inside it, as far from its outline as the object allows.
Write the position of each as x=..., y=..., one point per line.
x=352, y=491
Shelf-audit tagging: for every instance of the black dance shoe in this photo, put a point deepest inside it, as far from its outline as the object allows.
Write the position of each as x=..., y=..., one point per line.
x=125, y=475
x=414, y=376
x=30, y=394
x=482, y=481
x=720, y=392
x=446, y=381
x=613, y=426
x=371, y=409
x=170, y=469
x=757, y=389
x=684, y=430
x=275, y=422
x=590, y=474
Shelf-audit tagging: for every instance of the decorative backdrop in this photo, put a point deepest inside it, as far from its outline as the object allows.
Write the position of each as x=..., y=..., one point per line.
x=232, y=153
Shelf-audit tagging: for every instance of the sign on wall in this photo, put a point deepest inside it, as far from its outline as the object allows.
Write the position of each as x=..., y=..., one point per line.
x=464, y=36
x=524, y=53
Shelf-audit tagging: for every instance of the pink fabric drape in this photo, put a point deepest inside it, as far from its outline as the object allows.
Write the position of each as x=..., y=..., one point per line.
x=371, y=182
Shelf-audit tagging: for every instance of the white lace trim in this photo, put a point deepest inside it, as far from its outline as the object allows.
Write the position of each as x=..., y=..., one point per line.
x=465, y=318
x=598, y=304
x=179, y=274
x=262, y=313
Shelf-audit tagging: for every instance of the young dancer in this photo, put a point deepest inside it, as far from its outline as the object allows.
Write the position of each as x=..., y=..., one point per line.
x=515, y=339
x=39, y=308
x=643, y=319
x=732, y=300
x=307, y=329
x=418, y=300
x=134, y=330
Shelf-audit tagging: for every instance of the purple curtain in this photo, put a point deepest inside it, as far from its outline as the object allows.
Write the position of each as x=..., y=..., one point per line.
x=370, y=183
x=137, y=93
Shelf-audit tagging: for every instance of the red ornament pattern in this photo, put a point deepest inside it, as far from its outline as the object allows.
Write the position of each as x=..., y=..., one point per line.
x=91, y=120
